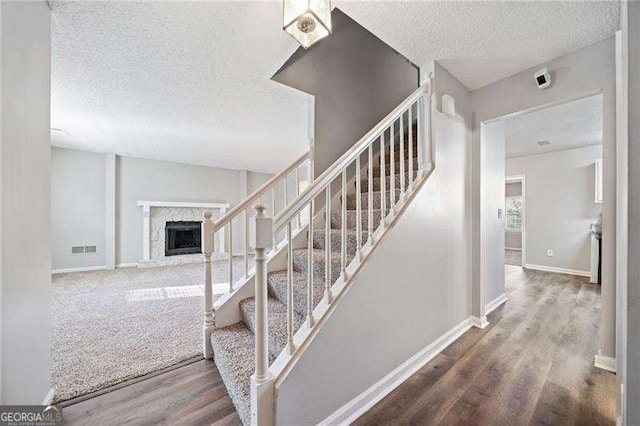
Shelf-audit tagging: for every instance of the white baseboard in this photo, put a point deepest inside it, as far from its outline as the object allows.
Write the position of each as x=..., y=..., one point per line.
x=480, y=323
x=605, y=362
x=513, y=248
x=558, y=270
x=491, y=306
x=83, y=269
x=367, y=399
x=127, y=265
x=48, y=399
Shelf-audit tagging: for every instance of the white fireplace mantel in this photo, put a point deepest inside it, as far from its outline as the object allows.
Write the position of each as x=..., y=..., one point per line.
x=146, y=218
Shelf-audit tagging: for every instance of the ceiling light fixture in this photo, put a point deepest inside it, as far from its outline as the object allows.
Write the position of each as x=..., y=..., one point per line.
x=308, y=21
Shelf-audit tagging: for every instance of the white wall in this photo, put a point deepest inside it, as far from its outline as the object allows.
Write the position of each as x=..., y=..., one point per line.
x=78, y=194
x=492, y=193
x=413, y=289
x=560, y=206
x=587, y=71
x=25, y=230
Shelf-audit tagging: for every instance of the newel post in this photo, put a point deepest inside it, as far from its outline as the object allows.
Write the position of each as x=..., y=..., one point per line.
x=207, y=233
x=262, y=383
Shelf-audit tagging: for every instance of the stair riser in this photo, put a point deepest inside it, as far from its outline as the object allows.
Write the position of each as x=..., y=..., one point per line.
x=396, y=153
x=351, y=242
x=336, y=219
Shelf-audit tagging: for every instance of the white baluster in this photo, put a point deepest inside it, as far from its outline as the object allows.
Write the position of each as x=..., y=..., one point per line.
x=310, y=319
x=246, y=243
x=327, y=245
x=429, y=136
x=230, y=255
x=207, y=244
x=262, y=382
x=298, y=221
x=421, y=136
x=343, y=231
x=358, y=211
x=273, y=213
x=402, y=167
x=370, y=191
x=383, y=182
x=410, y=147
x=392, y=168
x=290, y=345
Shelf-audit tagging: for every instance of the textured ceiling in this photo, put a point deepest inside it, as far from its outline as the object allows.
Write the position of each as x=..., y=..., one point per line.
x=178, y=81
x=570, y=125
x=189, y=81
x=481, y=42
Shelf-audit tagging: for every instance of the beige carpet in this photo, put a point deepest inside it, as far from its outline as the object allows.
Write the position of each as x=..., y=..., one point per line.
x=110, y=326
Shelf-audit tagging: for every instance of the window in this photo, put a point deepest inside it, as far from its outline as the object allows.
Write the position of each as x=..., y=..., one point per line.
x=513, y=217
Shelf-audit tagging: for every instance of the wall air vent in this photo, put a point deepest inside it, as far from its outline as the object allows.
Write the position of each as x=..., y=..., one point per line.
x=84, y=249
x=544, y=143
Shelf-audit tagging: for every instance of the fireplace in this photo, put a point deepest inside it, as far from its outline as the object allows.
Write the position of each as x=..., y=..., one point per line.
x=182, y=238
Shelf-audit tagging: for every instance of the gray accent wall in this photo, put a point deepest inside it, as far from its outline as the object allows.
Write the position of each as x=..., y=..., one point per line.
x=79, y=200
x=356, y=79
x=633, y=299
x=560, y=206
x=25, y=212
x=429, y=248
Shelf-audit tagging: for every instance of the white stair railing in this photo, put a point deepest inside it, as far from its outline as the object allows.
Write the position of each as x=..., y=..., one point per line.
x=416, y=109
x=277, y=193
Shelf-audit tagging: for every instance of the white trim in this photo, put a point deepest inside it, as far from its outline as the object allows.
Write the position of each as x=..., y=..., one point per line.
x=371, y=396
x=126, y=265
x=480, y=323
x=605, y=362
x=81, y=269
x=558, y=270
x=111, y=197
x=491, y=306
x=513, y=248
x=48, y=398
x=185, y=204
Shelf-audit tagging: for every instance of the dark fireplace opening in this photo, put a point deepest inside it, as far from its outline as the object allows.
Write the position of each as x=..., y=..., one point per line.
x=182, y=238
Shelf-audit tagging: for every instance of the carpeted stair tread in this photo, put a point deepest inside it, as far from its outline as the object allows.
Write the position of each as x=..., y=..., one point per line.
x=277, y=282
x=233, y=352
x=300, y=263
x=277, y=336
x=351, y=243
x=336, y=219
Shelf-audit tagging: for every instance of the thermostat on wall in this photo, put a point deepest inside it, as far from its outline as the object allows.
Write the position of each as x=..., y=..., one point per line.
x=543, y=78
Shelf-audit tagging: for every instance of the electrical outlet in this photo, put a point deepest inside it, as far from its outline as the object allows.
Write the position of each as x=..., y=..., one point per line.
x=550, y=253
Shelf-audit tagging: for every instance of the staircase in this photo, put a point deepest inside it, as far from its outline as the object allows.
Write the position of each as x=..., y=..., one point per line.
x=363, y=193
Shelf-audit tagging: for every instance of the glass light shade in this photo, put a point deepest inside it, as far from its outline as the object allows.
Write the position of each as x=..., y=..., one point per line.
x=308, y=21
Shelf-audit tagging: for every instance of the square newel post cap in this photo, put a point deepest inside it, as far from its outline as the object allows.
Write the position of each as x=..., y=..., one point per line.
x=263, y=228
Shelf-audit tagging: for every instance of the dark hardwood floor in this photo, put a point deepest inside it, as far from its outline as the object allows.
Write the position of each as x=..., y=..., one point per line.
x=532, y=365
x=190, y=395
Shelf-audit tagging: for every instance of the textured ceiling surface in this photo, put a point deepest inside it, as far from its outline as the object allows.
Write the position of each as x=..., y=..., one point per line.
x=177, y=81
x=566, y=126
x=481, y=42
x=190, y=81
